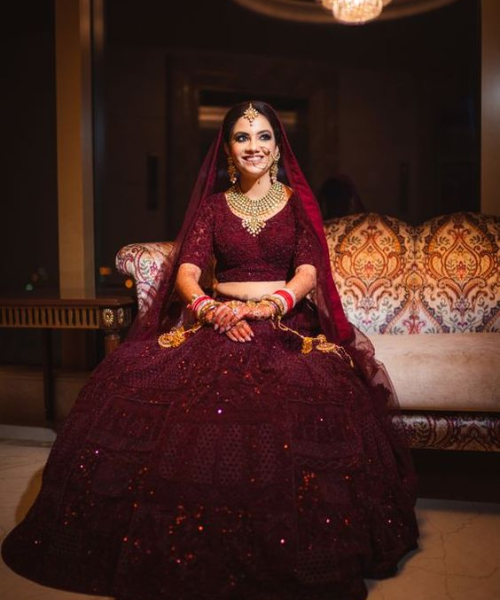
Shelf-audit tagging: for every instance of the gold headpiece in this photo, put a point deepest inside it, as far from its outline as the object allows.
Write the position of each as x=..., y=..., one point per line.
x=251, y=113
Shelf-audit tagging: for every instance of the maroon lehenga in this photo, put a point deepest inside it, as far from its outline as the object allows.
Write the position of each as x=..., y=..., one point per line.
x=222, y=470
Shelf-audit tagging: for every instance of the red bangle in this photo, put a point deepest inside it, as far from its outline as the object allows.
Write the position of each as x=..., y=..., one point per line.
x=287, y=297
x=197, y=301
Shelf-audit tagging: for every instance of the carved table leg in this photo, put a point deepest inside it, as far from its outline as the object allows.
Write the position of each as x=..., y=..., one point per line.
x=112, y=340
x=48, y=375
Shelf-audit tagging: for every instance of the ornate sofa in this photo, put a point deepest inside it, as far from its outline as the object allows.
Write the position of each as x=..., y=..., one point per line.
x=428, y=296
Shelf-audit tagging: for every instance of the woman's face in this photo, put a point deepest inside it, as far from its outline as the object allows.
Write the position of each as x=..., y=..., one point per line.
x=252, y=146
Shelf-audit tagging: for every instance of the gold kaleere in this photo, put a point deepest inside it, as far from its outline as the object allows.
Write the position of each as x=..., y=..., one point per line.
x=321, y=343
x=176, y=337
x=307, y=344
x=324, y=346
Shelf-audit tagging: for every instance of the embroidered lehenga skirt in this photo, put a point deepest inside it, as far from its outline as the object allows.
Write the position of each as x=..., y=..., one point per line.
x=221, y=470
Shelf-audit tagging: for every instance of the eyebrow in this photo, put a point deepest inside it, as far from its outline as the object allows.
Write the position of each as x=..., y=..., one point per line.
x=246, y=133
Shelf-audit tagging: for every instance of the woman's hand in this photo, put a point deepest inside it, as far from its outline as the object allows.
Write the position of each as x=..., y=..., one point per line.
x=227, y=315
x=241, y=332
x=259, y=311
x=231, y=317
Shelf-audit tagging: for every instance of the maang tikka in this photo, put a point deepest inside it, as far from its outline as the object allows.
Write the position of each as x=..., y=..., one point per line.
x=250, y=114
x=231, y=170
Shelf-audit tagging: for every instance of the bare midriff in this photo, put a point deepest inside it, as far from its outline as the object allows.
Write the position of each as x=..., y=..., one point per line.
x=248, y=290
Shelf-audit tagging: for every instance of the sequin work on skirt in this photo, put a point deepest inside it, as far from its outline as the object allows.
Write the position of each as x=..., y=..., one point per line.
x=220, y=470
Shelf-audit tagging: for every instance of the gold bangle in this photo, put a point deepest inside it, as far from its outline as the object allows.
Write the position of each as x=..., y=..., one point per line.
x=275, y=303
x=272, y=305
x=205, y=309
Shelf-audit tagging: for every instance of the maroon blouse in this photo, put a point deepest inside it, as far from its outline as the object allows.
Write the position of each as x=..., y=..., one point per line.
x=272, y=255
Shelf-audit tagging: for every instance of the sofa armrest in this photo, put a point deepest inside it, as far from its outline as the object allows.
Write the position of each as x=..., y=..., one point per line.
x=143, y=262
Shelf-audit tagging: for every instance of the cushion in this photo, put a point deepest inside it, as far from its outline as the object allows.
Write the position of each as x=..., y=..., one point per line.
x=458, y=371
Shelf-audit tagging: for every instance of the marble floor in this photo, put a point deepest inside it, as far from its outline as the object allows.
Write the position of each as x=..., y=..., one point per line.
x=459, y=558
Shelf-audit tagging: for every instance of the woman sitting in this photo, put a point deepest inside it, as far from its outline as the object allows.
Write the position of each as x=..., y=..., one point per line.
x=242, y=447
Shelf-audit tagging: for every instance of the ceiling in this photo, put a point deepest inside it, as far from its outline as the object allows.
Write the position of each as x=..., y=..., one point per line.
x=310, y=11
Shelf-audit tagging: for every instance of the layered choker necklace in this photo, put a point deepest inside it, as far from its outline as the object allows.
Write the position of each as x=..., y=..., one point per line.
x=251, y=211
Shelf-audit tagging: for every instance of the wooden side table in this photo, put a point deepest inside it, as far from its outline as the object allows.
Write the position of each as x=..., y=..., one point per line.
x=111, y=315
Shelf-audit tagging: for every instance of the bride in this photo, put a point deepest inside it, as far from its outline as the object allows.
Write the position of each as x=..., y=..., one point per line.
x=241, y=443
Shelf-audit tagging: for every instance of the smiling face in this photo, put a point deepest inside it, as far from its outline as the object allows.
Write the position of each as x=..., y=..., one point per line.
x=252, y=146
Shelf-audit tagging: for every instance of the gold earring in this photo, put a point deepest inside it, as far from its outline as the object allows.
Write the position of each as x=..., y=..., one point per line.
x=273, y=171
x=231, y=170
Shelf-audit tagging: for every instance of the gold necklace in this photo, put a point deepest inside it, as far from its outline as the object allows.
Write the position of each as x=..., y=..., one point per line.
x=251, y=210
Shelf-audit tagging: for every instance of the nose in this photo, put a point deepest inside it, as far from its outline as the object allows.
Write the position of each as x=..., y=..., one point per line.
x=252, y=145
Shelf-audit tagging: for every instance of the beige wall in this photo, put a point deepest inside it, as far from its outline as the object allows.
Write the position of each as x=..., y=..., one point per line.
x=74, y=149
x=490, y=107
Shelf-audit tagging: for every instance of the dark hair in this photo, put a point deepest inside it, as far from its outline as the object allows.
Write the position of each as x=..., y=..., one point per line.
x=237, y=111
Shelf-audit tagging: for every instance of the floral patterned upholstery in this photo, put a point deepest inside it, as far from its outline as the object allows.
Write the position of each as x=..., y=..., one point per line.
x=458, y=287
x=453, y=430
x=143, y=263
x=439, y=277
x=372, y=258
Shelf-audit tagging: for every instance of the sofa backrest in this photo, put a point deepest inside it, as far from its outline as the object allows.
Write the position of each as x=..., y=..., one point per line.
x=393, y=278
x=438, y=277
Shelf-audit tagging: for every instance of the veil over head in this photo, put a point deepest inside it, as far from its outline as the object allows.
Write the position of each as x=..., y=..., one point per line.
x=165, y=311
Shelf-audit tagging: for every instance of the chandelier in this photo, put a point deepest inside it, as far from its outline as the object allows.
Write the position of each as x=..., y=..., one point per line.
x=355, y=12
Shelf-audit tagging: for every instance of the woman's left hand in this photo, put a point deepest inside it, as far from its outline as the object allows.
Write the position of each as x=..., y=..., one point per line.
x=227, y=314
x=259, y=311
